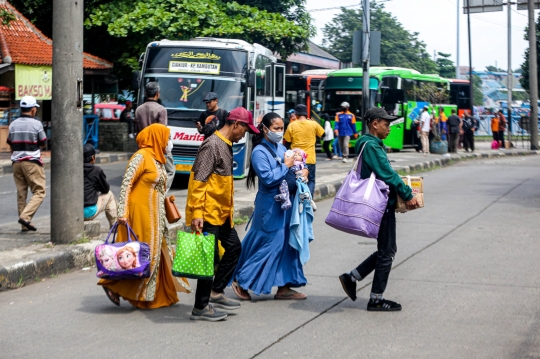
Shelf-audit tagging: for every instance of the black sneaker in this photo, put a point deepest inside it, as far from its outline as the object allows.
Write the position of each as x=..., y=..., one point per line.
x=349, y=285
x=383, y=305
x=208, y=314
x=223, y=302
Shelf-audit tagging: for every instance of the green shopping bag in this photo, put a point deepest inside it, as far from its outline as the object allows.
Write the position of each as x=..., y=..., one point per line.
x=194, y=256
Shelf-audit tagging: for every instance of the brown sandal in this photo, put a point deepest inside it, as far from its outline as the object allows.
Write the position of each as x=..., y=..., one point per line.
x=240, y=292
x=111, y=295
x=290, y=295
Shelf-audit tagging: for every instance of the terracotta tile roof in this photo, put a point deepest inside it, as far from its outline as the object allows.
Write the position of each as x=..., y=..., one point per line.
x=25, y=44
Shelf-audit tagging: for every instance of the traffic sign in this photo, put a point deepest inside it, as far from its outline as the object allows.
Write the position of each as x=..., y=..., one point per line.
x=523, y=4
x=477, y=6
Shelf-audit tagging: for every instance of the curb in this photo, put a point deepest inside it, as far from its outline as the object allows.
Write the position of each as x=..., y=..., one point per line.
x=100, y=159
x=61, y=259
x=67, y=257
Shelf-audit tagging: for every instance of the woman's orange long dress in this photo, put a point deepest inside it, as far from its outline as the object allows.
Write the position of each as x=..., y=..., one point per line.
x=141, y=201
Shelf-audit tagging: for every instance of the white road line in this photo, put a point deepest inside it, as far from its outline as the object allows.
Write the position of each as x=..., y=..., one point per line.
x=13, y=192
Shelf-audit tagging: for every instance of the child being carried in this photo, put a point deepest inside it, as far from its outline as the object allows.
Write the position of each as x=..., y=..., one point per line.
x=299, y=157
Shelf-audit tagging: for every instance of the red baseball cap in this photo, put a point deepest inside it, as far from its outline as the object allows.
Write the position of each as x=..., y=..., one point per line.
x=240, y=114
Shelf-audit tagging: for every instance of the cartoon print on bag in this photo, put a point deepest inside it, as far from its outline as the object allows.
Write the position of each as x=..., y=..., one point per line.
x=127, y=256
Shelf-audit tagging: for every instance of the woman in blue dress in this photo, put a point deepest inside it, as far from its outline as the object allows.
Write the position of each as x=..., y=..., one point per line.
x=267, y=259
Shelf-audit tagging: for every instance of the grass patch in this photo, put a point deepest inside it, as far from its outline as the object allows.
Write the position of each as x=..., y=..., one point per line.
x=241, y=220
x=83, y=239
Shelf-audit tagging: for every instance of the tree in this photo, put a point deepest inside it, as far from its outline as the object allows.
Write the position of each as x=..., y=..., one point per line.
x=429, y=92
x=478, y=95
x=445, y=66
x=119, y=30
x=524, y=80
x=399, y=47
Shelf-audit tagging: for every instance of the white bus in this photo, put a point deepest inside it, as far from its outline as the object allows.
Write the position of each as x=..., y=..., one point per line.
x=242, y=74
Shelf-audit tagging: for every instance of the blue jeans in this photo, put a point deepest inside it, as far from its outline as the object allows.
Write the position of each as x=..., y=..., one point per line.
x=311, y=179
x=337, y=149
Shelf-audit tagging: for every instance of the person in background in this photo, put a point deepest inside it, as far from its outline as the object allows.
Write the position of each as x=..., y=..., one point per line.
x=267, y=259
x=213, y=118
x=98, y=196
x=142, y=206
x=328, y=136
x=470, y=125
x=127, y=116
x=26, y=137
x=454, y=129
x=495, y=127
x=344, y=128
x=303, y=134
x=443, y=126
x=209, y=208
x=152, y=112
x=502, y=128
x=425, y=125
x=374, y=160
x=292, y=116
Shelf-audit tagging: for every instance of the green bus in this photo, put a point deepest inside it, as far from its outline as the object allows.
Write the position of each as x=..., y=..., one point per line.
x=401, y=92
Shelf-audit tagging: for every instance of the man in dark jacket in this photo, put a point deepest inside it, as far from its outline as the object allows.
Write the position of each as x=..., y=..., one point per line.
x=454, y=127
x=213, y=118
x=470, y=125
x=97, y=194
x=374, y=160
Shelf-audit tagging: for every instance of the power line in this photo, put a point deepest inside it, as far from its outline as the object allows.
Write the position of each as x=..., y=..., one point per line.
x=346, y=6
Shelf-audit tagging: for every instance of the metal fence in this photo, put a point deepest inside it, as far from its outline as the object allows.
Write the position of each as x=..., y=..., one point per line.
x=484, y=127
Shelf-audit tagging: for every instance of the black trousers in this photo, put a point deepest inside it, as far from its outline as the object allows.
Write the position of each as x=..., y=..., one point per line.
x=453, y=142
x=381, y=261
x=468, y=140
x=326, y=148
x=501, y=138
x=231, y=243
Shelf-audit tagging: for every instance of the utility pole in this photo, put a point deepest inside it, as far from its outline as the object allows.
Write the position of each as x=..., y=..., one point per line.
x=533, y=78
x=457, y=48
x=365, y=64
x=510, y=82
x=471, y=89
x=66, y=155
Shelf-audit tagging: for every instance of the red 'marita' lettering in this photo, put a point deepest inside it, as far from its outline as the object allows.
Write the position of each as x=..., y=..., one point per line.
x=181, y=136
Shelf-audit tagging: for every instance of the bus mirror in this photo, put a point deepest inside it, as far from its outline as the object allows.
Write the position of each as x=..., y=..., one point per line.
x=252, y=78
x=135, y=80
x=378, y=99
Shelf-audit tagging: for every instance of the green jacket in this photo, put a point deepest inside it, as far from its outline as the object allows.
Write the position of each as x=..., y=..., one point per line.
x=374, y=159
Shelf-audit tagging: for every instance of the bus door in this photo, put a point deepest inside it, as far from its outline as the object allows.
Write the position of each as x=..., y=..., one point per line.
x=393, y=102
x=277, y=104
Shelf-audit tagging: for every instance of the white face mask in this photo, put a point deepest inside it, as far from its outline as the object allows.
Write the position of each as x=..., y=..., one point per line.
x=275, y=137
x=169, y=146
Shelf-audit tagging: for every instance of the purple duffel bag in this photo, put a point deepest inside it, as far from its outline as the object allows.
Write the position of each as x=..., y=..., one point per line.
x=122, y=260
x=359, y=204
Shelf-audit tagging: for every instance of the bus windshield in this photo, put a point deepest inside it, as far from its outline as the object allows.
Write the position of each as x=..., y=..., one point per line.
x=186, y=92
x=334, y=98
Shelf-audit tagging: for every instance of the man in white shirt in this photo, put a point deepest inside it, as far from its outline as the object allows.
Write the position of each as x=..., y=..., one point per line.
x=425, y=122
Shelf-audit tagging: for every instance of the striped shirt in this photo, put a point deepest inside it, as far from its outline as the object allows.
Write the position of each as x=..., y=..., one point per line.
x=25, y=136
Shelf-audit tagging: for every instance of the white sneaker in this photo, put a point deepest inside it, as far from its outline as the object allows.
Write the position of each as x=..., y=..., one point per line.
x=344, y=160
x=131, y=135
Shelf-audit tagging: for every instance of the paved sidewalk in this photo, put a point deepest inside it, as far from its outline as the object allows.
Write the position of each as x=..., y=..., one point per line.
x=27, y=255
x=103, y=157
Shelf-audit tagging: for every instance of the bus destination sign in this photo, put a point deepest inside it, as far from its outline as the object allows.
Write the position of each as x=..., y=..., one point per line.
x=194, y=67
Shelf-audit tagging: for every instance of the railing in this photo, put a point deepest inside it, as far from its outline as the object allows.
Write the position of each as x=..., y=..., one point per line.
x=484, y=126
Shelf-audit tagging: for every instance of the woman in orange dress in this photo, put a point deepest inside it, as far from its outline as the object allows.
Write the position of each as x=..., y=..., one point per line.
x=141, y=204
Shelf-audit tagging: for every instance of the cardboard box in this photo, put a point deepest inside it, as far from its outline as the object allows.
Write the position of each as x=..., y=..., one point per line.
x=417, y=186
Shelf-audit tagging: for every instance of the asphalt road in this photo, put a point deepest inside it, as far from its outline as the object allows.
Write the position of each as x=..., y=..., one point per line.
x=467, y=274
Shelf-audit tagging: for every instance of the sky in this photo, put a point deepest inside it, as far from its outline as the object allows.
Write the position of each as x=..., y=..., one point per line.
x=436, y=23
